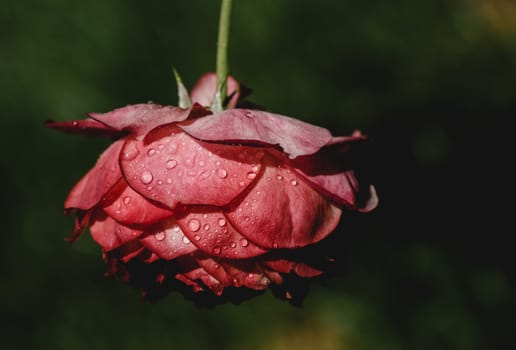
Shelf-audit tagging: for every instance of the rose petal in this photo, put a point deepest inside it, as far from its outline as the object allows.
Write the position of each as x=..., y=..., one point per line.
x=211, y=232
x=95, y=184
x=170, y=167
x=168, y=241
x=282, y=211
x=109, y=233
x=204, y=90
x=130, y=208
x=286, y=266
x=88, y=126
x=295, y=137
x=141, y=118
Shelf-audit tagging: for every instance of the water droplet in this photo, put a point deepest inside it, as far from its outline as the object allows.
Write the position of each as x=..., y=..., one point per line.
x=258, y=192
x=130, y=152
x=202, y=163
x=275, y=245
x=206, y=227
x=160, y=235
x=249, y=114
x=166, y=140
x=169, y=180
x=251, y=176
x=127, y=200
x=161, y=146
x=194, y=225
x=247, y=218
x=293, y=182
x=217, y=163
x=172, y=147
x=176, y=228
x=186, y=240
x=244, y=242
x=146, y=177
x=221, y=222
x=233, y=244
x=74, y=123
x=222, y=173
x=171, y=164
x=255, y=168
x=160, y=182
x=151, y=152
x=216, y=250
x=241, y=184
x=197, y=237
x=279, y=177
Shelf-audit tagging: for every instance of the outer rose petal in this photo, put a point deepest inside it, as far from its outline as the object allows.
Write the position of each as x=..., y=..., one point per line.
x=204, y=90
x=209, y=229
x=88, y=126
x=282, y=211
x=95, y=184
x=141, y=118
x=168, y=241
x=171, y=168
x=129, y=208
x=109, y=233
x=295, y=137
x=286, y=266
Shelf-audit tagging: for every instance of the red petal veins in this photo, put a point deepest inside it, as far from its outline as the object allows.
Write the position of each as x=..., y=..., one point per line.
x=168, y=241
x=87, y=126
x=130, y=208
x=282, y=211
x=141, y=118
x=212, y=233
x=97, y=182
x=171, y=168
x=295, y=137
x=204, y=90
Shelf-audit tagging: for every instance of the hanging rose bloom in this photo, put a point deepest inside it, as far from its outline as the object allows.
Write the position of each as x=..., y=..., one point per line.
x=213, y=203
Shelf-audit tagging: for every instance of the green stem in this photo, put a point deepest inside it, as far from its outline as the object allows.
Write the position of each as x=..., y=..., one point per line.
x=222, y=57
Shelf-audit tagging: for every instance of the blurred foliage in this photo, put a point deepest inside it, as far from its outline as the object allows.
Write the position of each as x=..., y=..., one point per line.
x=432, y=82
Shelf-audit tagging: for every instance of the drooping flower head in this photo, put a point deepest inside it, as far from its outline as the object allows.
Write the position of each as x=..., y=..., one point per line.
x=213, y=204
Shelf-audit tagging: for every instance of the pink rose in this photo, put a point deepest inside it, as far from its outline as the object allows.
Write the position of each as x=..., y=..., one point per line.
x=216, y=202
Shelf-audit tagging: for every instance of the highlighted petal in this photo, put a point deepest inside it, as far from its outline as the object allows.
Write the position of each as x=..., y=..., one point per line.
x=295, y=137
x=282, y=211
x=169, y=241
x=97, y=182
x=204, y=90
x=212, y=232
x=141, y=118
x=109, y=233
x=171, y=168
x=129, y=208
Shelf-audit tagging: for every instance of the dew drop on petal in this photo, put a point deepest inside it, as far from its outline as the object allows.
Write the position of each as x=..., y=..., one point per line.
x=151, y=152
x=251, y=176
x=206, y=227
x=221, y=222
x=146, y=177
x=194, y=225
x=197, y=237
x=176, y=228
x=247, y=218
x=241, y=184
x=293, y=182
x=249, y=114
x=172, y=147
x=279, y=177
x=244, y=242
x=161, y=146
x=202, y=163
x=216, y=250
x=160, y=235
x=255, y=168
x=171, y=164
x=275, y=245
x=186, y=240
x=130, y=152
x=222, y=173
x=233, y=244
x=160, y=182
x=127, y=200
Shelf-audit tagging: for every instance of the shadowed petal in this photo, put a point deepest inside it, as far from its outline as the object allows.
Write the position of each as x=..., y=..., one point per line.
x=282, y=211
x=87, y=126
x=108, y=233
x=97, y=182
x=170, y=167
x=295, y=137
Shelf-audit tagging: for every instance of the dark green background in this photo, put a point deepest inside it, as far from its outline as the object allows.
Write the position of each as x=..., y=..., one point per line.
x=432, y=82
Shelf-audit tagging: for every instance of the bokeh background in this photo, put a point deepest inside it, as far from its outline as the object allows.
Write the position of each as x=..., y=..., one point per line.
x=432, y=82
